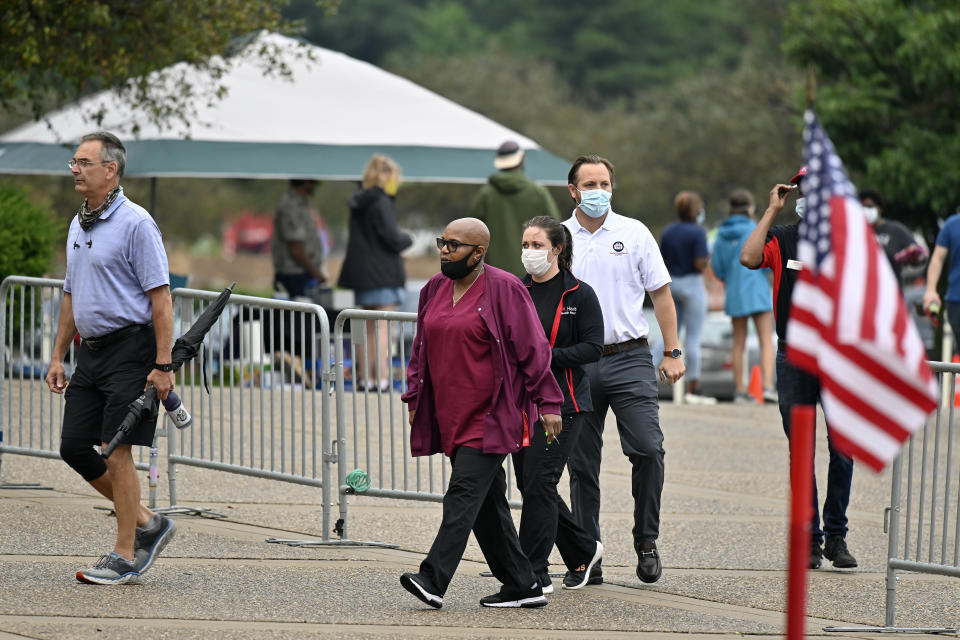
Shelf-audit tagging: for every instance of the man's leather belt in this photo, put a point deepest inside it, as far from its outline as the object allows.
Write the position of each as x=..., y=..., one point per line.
x=107, y=339
x=610, y=349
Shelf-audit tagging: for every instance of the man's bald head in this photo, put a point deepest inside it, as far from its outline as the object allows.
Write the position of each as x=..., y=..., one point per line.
x=469, y=230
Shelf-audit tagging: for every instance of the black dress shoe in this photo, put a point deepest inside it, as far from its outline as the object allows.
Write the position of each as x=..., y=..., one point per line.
x=649, y=568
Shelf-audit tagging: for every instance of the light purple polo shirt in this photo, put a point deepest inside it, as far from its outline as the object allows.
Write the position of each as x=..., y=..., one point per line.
x=111, y=267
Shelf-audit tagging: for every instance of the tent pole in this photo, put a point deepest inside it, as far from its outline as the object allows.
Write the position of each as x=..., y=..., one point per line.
x=153, y=197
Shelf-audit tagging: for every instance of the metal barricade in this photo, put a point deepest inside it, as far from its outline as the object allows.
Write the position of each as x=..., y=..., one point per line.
x=268, y=411
x=928, y=541
x=30, y=415
x=373, y=436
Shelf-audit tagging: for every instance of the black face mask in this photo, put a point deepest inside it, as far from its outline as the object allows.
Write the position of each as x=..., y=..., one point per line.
x=456, y=269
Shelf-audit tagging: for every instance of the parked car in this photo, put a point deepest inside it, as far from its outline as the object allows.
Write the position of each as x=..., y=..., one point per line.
x=716, y=344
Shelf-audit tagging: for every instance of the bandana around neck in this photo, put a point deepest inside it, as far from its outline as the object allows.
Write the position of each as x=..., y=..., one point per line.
x=88, y=217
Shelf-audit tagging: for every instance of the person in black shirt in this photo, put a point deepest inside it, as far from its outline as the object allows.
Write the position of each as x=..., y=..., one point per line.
x=776, y=248
x=573, y=323
x=899, y=245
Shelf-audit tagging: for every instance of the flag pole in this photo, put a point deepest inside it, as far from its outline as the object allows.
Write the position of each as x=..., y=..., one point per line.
x=802, y=420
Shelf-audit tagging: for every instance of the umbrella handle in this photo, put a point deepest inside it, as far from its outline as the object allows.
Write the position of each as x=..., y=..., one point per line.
x=146, y=401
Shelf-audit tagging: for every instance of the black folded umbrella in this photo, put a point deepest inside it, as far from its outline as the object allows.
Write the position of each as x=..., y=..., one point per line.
x=185, y=349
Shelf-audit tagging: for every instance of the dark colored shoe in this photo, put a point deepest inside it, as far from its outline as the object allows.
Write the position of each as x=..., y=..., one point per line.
x=836, y=551
x=151, y=540
x=649, y=568
x=815, y=554
x=513, y=598
x=110, y=569
x=420, y=587
x=589, y=573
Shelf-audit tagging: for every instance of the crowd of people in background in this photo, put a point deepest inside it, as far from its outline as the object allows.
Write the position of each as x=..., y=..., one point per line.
x=531, y=332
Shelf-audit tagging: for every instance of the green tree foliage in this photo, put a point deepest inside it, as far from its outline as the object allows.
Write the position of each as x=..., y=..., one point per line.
x=710, y=132
x=888, y=73
x=602, y=49
x=27, y=233
x=55, y=51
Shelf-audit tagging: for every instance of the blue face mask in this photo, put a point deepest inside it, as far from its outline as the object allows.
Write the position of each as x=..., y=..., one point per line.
x=801, y=206
x=595, y=202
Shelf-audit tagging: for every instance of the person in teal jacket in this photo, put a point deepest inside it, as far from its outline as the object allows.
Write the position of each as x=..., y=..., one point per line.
x=748, y=293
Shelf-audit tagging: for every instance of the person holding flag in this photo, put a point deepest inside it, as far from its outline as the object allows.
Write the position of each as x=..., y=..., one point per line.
x=844, y=334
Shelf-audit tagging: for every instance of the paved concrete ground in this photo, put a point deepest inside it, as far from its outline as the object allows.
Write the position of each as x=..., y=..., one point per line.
x=722, y=542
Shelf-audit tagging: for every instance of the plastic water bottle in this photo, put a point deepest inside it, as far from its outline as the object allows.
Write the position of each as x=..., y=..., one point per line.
x=177, y=412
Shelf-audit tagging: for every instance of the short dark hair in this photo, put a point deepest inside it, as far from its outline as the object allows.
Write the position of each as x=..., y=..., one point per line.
x=872, y=195
x=112, y=149
x=740, y=201
x=558, y=235
x=688, y=205
x=592, y=158
x=299, y=182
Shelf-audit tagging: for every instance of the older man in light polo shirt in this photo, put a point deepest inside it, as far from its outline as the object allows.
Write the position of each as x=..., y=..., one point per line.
x=620, y=259
x=116, y=295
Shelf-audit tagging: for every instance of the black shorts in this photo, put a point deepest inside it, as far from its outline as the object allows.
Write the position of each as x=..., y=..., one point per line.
x=104, y=384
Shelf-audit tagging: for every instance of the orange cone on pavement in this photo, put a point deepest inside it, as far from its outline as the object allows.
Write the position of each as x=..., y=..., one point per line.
x=755, y=390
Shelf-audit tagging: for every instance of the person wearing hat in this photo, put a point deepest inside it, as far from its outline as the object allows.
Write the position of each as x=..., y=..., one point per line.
x=776, y=248
x=747, y=294
x=508, y=200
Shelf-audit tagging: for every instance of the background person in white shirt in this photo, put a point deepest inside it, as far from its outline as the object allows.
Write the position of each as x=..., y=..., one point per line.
x=620, y=259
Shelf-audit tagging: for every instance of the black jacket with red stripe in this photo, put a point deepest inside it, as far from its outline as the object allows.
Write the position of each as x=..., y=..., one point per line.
x=576, y=339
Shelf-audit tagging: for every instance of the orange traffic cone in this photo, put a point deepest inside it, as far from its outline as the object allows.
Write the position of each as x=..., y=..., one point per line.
x=755, y=390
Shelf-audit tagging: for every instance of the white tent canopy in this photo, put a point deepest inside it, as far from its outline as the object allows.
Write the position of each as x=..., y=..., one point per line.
x=322, y=122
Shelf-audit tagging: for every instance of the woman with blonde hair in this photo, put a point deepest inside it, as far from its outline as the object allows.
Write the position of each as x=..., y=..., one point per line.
x=373, y=267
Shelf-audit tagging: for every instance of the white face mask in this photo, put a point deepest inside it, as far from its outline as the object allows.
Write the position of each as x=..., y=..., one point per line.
x=871, y=214
x=536, y=261
x=801, y=206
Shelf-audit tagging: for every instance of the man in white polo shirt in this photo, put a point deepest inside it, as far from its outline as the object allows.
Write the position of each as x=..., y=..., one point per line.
x=620, y=259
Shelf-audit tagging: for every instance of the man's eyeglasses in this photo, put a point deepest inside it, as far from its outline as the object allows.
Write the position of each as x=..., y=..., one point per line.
x=453, y=245
x=84, y=164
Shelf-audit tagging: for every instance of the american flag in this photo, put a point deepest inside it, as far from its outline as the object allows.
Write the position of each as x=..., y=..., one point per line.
x=848, y=322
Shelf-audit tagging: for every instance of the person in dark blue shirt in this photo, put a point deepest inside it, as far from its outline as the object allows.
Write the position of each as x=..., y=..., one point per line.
x=684, y=249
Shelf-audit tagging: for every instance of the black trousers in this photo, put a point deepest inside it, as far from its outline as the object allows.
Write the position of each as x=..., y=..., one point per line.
x=476, y=500
x=545, y=518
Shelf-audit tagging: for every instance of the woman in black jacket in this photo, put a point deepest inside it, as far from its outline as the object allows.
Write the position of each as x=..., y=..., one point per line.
x=373, y=267
x=572, y=320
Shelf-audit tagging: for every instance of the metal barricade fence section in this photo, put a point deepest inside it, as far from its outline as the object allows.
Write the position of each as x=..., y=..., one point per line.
x=30, y=414
x=371, y=353
x=268, y=410
x=929, y=483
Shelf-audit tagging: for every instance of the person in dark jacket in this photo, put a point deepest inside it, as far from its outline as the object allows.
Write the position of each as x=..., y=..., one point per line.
x=573, y=323
x=509, y=198
x=478, y=378
x=373, y=267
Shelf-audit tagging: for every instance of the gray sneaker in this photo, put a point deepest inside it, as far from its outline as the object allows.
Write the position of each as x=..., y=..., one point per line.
x=151, y=540
x=110, y=569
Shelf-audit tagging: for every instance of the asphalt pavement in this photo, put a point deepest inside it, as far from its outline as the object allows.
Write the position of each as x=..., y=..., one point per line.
x=723, y=544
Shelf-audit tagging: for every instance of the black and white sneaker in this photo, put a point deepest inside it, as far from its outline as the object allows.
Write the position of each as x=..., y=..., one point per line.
x=420, y=587
x=512, y=598
x=585, y=574
x=546, y=584
x=151, y=540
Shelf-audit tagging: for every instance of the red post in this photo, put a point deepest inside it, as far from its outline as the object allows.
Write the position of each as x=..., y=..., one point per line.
x=802, y=426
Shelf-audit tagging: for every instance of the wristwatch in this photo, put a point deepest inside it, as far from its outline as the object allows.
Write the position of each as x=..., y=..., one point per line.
x=163, y=367
x=676, y=353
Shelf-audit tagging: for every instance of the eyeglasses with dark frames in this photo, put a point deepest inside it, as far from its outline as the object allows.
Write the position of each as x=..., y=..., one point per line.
x=453, y=245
